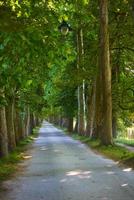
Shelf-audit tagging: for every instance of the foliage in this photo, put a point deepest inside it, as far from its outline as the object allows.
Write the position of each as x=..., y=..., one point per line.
x=38, y=66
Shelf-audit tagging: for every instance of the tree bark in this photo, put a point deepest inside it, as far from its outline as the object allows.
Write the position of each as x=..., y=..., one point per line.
x=16, y=125
x=106, y=134
x=81, y=88
x=81, y=122
x=10, y=125
x=76, y=125
x=98, y=106
x=34, y=120
x=19, y=125
x=27, y=122
x=70, y=125
x=31, y=123
x=3, y=133
x=90, y=111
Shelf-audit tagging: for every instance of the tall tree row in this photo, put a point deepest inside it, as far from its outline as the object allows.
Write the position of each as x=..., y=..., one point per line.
x=18, y=117
x=100, y=44
x=82, y=81
x=23, y=71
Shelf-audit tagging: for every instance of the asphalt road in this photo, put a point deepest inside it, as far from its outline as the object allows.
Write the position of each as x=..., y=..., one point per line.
x=60, y=168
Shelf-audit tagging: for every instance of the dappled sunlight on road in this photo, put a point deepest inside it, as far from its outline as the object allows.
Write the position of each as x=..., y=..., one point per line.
x=43, y=149
x=63, y=180
x=80, y=174
x=124, y=185
x=57, y=151
x=48, y=149
x=110, y=172
x=127, y=170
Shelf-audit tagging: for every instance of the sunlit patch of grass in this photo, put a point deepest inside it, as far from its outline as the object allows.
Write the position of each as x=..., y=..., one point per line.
x=129, y=142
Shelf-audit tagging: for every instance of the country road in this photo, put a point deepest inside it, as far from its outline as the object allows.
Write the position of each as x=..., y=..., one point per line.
x=61, y=168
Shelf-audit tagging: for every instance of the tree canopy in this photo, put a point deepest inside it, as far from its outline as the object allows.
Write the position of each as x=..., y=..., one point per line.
x=44, y=74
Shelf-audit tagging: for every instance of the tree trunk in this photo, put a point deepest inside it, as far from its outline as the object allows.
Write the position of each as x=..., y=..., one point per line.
x=90, y=112
x=81, y=88
x=98, y=106
x=10, y=126
x=16, y=125
x=60, y=120
x=70, y=125
x=34, y=120
x=76, y=126
x=106, y=134
x=115, y=89
x=27, y=122
x=31, y=123
x=3, y=133
x=81, y=122
x=65, y=123
x=19, y=125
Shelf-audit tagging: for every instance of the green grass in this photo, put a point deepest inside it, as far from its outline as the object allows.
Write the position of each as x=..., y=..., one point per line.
x=129, y=142
x=114, y=152
x=8, y=165
x=36, y=131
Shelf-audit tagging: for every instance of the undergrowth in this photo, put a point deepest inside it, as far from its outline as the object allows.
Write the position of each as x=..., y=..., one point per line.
x=129, y=142
x=8, y=165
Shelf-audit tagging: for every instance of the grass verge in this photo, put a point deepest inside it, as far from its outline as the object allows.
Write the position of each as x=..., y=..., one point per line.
x=8, y=165
x=115, y=152
x=125, y=141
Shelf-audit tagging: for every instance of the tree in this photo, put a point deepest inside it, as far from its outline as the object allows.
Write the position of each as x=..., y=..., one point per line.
x=105, y=70
x=42, y=72
x=3, y=128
